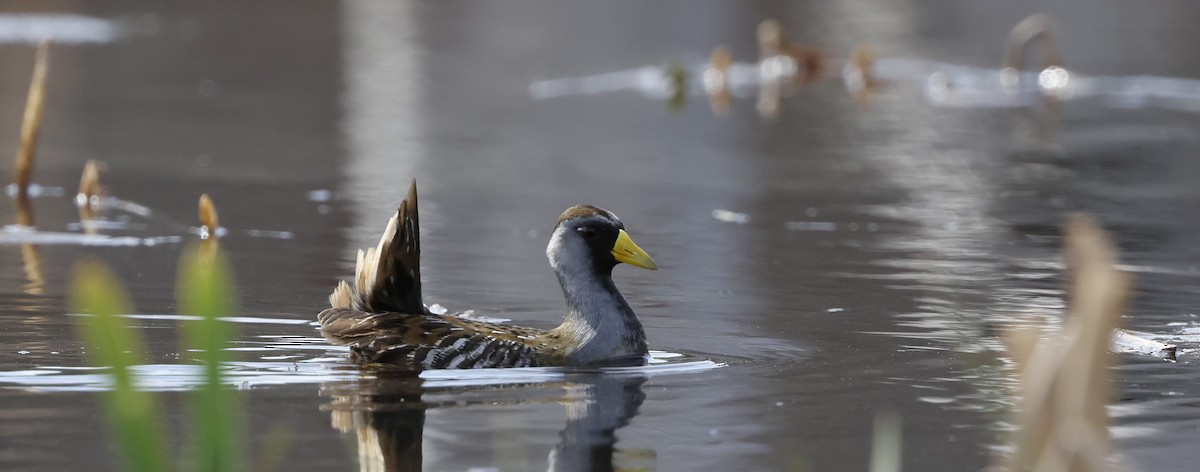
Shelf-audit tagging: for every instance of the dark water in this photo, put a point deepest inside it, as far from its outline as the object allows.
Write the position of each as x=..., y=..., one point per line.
x=884, y=247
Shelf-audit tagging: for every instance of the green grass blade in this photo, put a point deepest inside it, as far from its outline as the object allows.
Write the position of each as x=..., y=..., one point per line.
x=206, y=290
x=133, y=414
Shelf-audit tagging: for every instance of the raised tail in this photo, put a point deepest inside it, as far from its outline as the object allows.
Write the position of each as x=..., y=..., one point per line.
x=387, y=278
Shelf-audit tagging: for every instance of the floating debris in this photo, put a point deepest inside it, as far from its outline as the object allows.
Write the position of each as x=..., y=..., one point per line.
x=473, y=316
x=319, y=195
x=784, y=67
x=1136, y=342
x=730, y=216
x=25, y=236
x=262, y=233
x=811, y=225
x=138, y=209
x=651, y=81
x=121, y=223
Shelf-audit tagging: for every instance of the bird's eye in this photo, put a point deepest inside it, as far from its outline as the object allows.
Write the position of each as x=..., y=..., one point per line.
x=587, y=232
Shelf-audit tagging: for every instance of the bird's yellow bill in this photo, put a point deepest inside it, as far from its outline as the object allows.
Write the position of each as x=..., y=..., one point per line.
x=628, y=252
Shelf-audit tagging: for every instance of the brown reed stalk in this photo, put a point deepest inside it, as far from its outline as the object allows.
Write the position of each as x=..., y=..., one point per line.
x=90, y=191
x=1066, y=377
x=719, y=96
x=32, y=123
x=208, y=216
x=208, y=228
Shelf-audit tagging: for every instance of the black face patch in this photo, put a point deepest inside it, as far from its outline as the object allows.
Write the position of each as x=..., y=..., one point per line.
x=599, y=233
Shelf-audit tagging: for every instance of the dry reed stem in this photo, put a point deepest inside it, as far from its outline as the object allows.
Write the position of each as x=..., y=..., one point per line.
x=1065, y=379
x=811, y=62
x=208, y=229
x=719, y=97
x=208, y=216
x=770, y=39
x=859, y=73
x=1022, y=36
x=1042, y=121
x=90, y=191
x=810, y=65
x=32, y=122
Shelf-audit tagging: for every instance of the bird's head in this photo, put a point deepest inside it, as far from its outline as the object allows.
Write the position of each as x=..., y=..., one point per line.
x=587, y=236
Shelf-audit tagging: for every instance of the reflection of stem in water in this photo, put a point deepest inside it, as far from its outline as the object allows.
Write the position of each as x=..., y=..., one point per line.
x=33, y=270
x=387, y=416
x=24, y=211
x=29, y=252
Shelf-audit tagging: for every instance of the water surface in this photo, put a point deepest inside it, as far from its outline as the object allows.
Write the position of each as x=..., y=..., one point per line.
x=877, y=253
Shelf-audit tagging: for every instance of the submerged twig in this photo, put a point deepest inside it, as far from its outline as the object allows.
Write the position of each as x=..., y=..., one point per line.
x=1065, y=378
x=32, y=122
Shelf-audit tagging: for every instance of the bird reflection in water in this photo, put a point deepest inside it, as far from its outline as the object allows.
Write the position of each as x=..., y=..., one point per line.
x=386, y=416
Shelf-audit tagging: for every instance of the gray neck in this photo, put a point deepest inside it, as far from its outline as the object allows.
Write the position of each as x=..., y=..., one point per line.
x=599, y=321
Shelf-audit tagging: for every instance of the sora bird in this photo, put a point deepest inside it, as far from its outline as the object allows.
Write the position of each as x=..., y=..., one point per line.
x=382, y=319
